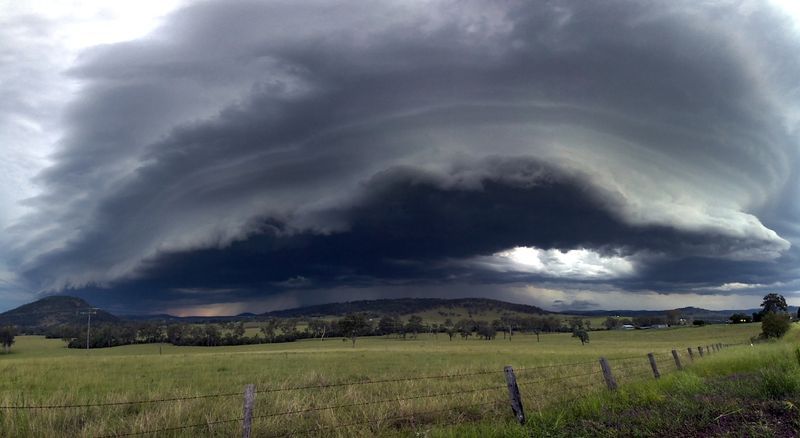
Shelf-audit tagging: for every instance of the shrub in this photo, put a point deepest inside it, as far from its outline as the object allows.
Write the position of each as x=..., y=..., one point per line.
x=774, y=325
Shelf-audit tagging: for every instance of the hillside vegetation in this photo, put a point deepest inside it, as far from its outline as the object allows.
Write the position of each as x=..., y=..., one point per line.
x=52, y=311
x=434, y=308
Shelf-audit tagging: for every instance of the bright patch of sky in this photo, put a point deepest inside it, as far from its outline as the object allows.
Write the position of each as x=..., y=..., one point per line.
x=578, y=264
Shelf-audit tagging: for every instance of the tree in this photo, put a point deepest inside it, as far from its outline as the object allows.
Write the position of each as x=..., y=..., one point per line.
x=268, y=328
x=673, y=317
x=448, y=328
x=389, y=325
x=238, y=330
x=176, y=333
x=774, y=325
x=150, y=332
x=465, y=328
x=485, y=330
x=740, y=318
x=575, y=323
x=7, y=335
x=288, y=327
x=212, y=335
x=353, y=325
x=318, y=327
x=415, y=325
x=611, y=323
x=581, y=334
x=774, y=303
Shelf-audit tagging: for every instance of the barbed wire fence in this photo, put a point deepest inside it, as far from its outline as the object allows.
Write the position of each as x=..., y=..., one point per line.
x=536, y=383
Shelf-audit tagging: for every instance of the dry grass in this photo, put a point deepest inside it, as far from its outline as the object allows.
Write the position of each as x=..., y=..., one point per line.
x=42, y=372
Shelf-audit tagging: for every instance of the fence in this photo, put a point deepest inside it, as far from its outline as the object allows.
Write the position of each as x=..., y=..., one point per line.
x=531, y=387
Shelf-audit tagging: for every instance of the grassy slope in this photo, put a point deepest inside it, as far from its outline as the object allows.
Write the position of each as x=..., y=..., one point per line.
x=741, y=392
x=43, y=372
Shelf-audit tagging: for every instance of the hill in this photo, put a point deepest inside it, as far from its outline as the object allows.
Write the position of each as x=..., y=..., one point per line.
x=430, y=309
x=50, y=311
x=686, y=312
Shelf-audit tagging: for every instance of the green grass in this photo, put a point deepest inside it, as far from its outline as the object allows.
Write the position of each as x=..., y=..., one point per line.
x=743, y=391
x=41, y=371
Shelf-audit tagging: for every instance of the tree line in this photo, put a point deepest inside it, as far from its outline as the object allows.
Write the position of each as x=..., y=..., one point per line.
x=275, y=330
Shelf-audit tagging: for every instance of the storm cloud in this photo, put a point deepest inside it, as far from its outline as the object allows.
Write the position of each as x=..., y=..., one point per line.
x=251, y=149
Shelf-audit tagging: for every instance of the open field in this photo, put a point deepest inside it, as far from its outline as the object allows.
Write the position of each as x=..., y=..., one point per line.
x=42, y=372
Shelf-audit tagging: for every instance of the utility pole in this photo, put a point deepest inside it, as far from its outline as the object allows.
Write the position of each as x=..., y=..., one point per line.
x=89, y=313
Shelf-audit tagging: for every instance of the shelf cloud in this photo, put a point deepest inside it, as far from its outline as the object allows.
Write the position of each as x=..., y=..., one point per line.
x=247, y=150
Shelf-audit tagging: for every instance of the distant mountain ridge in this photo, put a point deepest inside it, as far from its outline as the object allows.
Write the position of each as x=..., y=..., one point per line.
x=51, y=311
x=62, y=309
x=686, y=312
x=405, y=306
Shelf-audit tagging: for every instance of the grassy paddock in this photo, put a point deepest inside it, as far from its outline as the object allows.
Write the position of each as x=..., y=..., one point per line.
x=42, y=372
x=743, y=391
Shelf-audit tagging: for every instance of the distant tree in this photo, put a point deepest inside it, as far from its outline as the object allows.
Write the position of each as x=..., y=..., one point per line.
x=774, y=303
x=389, y=325
x=151, y=332
x=485, y=330
x=798, y=313
x=448, y=328
x=575, y=323
x=434, y=329
x=612, y=323
x=740, y=318
x=774, y=325
x=775, y=318
x=698, y=322
x=646, y=321
x=212, y=335
x=317, y=328
x=268, y=328
x=415, y=325
x=238, y=329
x=581, y=334
x=7, y=334
x=673, y=317
x=176, y=333
x=289, y=327
x=508, y=325
x=465, y=327
x=353, y=325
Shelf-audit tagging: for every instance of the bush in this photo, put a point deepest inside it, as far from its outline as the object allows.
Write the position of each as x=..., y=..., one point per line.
x=774, y=325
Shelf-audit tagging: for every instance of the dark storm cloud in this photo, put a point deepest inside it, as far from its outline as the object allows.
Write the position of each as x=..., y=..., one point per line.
x=251, y=147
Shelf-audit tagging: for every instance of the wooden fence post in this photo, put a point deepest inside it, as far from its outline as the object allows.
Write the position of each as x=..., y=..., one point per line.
x=691, y=354
x=677, y=359
x=513, y=394
x=700, y=349
x=653, y=365
x=610, y=381
x=708, y=350
x=249, y=399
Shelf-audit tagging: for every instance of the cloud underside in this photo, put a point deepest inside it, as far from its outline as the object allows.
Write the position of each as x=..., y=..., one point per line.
x=307, y=147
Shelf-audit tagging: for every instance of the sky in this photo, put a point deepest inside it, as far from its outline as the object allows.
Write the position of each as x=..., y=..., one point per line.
x=219, y=157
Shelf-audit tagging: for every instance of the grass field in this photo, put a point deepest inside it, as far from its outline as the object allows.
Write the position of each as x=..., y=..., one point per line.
x=43, y=372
